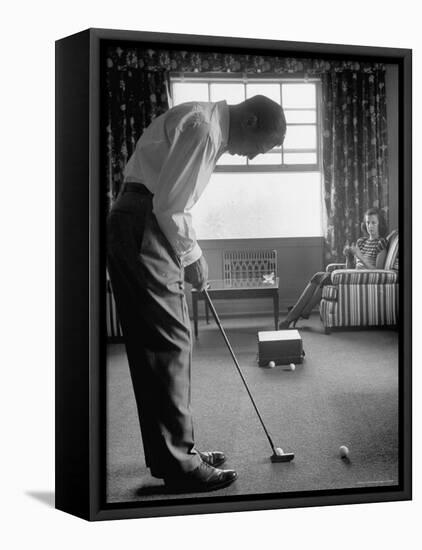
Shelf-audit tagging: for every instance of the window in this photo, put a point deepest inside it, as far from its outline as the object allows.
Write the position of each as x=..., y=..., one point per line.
x=276, y=194
x=299, y=100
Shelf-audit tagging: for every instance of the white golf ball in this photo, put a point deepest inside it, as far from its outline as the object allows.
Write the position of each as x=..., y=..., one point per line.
x=279, y=450
x=344, y=451
x=271, y=364
x=292, y=366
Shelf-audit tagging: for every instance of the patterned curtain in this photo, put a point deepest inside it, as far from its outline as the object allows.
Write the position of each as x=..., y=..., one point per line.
x=354, y=152
x=354, y=121
x=135, y=96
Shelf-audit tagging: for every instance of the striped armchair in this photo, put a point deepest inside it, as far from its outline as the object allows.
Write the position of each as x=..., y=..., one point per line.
x=363, y=297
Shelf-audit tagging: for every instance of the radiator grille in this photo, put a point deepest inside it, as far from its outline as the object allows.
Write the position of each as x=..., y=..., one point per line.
x=249, y=265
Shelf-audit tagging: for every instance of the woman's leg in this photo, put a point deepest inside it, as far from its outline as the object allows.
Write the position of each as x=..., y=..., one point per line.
x=316, y=298
x=304, y=300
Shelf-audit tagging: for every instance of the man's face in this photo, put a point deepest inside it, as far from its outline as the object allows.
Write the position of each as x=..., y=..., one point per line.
x=250, y=144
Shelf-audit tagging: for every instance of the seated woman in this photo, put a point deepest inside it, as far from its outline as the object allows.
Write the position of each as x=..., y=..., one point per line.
x=369, y=253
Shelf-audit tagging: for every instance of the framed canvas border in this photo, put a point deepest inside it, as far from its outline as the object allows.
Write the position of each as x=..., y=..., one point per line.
x=80, y=279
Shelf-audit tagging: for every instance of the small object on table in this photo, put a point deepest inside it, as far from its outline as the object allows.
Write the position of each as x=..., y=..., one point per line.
x=268, y=278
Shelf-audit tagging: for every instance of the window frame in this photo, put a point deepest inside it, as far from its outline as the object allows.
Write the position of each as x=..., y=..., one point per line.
x=211, y=78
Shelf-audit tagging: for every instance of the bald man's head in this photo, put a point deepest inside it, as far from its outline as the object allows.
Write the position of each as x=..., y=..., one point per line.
x=256, y=126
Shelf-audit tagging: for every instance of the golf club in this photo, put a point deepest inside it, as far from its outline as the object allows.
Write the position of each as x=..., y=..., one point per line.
x=278, y=454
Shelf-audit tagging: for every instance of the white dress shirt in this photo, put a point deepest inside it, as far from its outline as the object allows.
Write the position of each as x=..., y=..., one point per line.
x=174, y=158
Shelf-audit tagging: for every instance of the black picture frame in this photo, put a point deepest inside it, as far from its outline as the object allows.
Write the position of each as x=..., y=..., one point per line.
x=80, y=282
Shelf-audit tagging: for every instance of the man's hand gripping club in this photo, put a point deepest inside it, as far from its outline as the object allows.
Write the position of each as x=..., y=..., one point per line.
x=197, y=274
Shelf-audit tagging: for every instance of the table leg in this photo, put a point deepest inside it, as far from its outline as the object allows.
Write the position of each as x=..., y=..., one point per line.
x=276, y=309
x=195, y=313
x=207, y=312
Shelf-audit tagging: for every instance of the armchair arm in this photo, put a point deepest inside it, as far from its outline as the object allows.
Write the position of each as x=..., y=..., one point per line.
x=332, y=267
x=363, y=276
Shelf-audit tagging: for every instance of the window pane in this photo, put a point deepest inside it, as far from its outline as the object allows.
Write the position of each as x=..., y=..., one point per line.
x=250, y=206
x=189, y=91
x=299, y=102
x=300, y=137
x=299, y=95
x=271, y=91
x=300, y=116
x=267, y=159
x=232, y=92
x=231, y=159
x=300, y=158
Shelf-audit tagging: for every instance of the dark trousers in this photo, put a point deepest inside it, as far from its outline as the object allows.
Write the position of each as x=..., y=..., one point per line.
x=147, y=281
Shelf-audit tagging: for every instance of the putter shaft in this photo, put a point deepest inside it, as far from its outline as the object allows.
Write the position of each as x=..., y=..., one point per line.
x=217, y=320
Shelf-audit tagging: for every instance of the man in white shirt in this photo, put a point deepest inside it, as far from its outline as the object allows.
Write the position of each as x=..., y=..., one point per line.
x=152, y=250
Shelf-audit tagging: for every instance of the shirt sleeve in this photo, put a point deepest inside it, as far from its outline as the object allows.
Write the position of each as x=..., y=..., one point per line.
x=360, y=243
x=187, y=169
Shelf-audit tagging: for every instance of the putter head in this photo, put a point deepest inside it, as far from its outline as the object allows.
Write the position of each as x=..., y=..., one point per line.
x=280, y=456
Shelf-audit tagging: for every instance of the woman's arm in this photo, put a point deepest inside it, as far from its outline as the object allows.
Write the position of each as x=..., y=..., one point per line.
x=362, y=259
x=359, y=256
x=380, y=261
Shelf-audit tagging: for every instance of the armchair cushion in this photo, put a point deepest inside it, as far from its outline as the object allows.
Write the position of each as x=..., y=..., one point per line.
x=329, y=293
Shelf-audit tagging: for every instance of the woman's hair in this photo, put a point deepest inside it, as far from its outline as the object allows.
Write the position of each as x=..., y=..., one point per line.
x=382, y=227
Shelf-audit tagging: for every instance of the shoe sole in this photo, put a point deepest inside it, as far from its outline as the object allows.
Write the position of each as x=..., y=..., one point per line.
x=199, y=488
x=216, y=465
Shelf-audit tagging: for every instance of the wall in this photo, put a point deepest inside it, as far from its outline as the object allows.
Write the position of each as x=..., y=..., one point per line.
x=297, y=258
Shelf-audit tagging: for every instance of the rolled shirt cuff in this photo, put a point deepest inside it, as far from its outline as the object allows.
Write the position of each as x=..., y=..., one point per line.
x=191, y=256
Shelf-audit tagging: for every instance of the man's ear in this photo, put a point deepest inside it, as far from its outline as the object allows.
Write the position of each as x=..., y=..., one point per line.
x=251, y=121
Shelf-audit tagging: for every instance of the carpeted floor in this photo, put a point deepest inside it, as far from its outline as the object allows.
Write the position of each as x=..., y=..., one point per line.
x=345, y=393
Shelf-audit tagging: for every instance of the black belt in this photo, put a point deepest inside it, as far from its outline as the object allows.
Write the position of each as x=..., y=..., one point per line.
x=134, y=187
